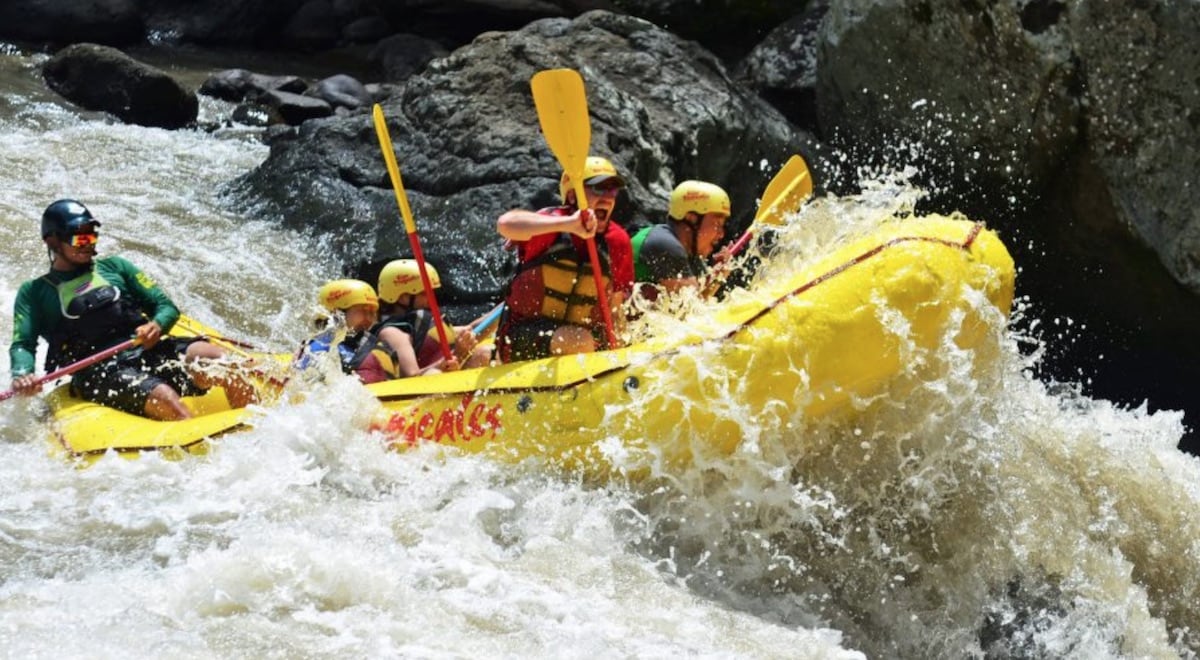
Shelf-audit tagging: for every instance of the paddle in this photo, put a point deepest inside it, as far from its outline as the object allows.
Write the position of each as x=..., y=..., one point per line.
x=563, y=113
x=76, y=366
x=784, y=193
x=484, y=323
x=389, y=157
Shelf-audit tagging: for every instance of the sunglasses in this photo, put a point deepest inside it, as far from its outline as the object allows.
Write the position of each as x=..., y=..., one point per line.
x=604, y=187
x=83, y=240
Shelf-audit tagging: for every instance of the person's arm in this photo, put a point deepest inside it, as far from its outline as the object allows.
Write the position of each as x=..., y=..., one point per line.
x=151, y=299
x=22, y=354
x=667, y=263
x=522, y=225
x=406, y=355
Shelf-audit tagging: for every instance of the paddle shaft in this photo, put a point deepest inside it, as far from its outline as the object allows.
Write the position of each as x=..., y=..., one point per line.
x=393, y=168
x=76, y=366
x=482, y=327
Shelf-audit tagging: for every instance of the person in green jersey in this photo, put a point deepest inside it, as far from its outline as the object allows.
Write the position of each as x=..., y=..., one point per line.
x=671, y=256
x=86, y=304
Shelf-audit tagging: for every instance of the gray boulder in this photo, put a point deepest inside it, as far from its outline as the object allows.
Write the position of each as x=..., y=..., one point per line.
x=985, y=105
x=783, y=67
x=239, y=85
x=467, y=139
x=1143, y=121
x=401, y=55
x=105, y=79
x=342, y=91
x=1072, y=127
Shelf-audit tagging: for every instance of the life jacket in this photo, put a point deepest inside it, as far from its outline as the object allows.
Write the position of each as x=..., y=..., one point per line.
x=418, y=325
x=558, y=284
x=94, y=317
x=362, y=354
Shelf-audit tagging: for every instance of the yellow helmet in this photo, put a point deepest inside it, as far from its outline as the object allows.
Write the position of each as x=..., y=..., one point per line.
x=698, y=197
x=344, y=294
x=595, y=170
x=404, y=276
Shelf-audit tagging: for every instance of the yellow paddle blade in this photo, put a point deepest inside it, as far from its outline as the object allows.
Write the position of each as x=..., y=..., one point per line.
x=786, y=191
x=389, y=157
x=563, y=113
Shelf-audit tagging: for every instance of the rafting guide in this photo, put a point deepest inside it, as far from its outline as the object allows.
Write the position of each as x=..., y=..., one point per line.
x=87, y=305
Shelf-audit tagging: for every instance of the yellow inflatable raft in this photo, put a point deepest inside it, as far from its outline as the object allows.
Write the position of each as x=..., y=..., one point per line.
x=837, y=329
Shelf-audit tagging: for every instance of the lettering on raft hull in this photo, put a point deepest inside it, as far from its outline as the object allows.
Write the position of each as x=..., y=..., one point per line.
x=465, y=422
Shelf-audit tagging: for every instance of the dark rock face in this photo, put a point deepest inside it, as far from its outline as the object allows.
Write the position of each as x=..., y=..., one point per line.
x=401, y=55
x=783, y=67
x=105, y=79
x=986, y=109
x=1073, y=127
x=730, y=28
x=1143, y=121
x=467, y=140
x=305, y=24
x=115, y=22
x=246, y=22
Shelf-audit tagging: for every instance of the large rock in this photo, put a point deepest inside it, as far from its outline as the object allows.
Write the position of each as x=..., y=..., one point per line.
x=1073, y=127
x=783, y=67
x=321, y=23
x=114, y=22
x=729, y=28
x=105, y=79
x=984, y=103
x=468, y=143
x=1143, y=121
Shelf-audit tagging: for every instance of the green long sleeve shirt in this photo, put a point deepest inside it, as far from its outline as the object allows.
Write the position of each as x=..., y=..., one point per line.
x=37, y=312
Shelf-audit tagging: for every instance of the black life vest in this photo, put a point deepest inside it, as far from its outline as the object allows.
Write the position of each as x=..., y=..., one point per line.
x=94, y=316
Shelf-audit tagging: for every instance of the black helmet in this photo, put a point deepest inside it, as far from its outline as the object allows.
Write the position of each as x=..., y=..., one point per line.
x=64, y=217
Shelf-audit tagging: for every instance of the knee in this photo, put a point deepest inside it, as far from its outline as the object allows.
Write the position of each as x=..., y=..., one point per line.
x=163, y=403
x=571, y=339
x=203, y=350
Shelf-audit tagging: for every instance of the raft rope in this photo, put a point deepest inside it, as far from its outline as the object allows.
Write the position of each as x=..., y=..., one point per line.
x=965, y=245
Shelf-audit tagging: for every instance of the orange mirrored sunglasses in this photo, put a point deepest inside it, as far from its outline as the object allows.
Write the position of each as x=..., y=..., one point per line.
x=83, y=240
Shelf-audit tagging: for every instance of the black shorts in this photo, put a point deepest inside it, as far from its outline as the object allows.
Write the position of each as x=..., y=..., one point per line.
x=530, y=339
x=125, y=381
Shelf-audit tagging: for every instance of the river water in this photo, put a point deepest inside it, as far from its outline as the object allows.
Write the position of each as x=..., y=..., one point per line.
x=973, y=511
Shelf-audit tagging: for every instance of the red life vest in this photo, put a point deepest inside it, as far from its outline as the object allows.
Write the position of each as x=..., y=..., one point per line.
x=558, y=284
